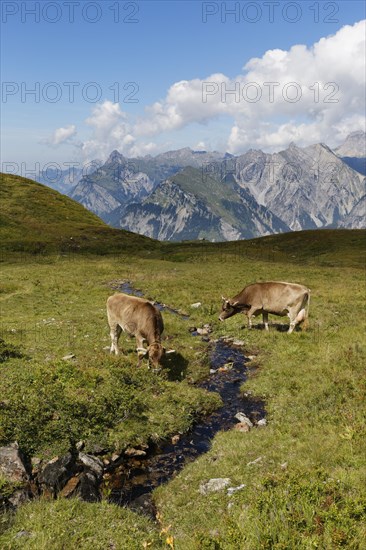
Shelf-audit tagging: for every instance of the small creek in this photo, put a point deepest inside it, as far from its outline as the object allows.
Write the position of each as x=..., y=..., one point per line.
x=138, y=476
x=128, y=289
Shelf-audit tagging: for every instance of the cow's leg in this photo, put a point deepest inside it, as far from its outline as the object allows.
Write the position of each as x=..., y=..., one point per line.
x=115, y=334
x=265, y=319
x=139, y=340
x=249, y=314
x=292, y=317
x=301, y=316
x=140, y=347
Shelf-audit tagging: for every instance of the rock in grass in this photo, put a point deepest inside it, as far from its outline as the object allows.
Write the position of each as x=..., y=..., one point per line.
x=256, y=461
x=232, y=490
x=22, y=533
x=196, y=305
x=12, y=463
x=70, y=487
x=262, y=422
x=57, y=472
x=88, y=488
x=214, y=485
x=238, y=342
x=68, y=357
x=93, y=463
x=244, y=419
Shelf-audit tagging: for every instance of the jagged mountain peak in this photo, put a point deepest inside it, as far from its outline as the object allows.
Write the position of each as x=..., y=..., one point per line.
x=353, y=146
x=320, y=148
x=116, y=156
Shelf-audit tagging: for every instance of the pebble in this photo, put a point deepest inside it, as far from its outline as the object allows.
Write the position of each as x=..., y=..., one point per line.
x=196, y=305
x=238, y=342
x=256, y=461
x=232, y=490
x=22, y=533
x=244, y=419
x=214, y=485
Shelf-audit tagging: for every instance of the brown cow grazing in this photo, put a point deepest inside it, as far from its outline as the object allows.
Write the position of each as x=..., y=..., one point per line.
x=139, y=318
x=277, y=298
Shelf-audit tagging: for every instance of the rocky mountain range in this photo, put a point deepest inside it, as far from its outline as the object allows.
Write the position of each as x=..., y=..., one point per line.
x=307, y=188
x=63, y=181
x=188, y=206
x=187, y=194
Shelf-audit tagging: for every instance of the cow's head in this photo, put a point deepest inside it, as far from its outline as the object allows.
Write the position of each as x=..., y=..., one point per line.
x=228, y=308
x=156, y=352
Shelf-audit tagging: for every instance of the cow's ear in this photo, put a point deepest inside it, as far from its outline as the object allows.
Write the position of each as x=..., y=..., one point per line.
x=223, y=299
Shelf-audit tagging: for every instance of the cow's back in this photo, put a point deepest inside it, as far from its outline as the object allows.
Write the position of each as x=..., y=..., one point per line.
x=273, y=296
x=134, y=314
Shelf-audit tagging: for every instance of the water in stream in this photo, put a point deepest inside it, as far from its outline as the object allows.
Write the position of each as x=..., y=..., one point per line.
x=128, y=289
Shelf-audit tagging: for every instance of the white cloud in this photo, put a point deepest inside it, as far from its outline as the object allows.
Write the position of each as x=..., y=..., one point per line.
x=112, y=130
x=61, y=135
x=305, y=94
x=200, y=146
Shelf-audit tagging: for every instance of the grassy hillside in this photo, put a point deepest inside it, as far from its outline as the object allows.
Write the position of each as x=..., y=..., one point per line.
x=301, y=476
x=324, y=247
x=35, y=219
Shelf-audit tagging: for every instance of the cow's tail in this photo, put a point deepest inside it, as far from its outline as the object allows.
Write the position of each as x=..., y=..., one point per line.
x=305, y=325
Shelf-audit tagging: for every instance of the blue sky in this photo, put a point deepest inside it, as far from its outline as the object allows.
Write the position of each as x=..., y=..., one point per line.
x=150, y=47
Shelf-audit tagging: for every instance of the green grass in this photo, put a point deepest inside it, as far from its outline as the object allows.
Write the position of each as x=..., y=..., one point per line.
x=312, y=382
x=36, y=220
x=65, y=524
x=307, y=489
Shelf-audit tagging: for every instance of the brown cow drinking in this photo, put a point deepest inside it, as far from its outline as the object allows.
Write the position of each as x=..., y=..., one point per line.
x=275, y=297
x=140, y=318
